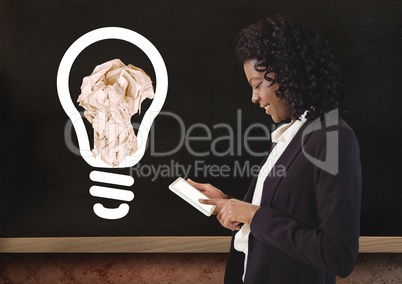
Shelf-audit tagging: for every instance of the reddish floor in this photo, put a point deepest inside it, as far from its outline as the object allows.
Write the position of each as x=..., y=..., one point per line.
x=159, y=268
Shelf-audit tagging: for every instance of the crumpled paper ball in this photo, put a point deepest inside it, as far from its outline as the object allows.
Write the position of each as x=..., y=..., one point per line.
x=111, y=95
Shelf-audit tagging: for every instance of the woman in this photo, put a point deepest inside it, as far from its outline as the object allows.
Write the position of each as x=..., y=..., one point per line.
x=299, y=220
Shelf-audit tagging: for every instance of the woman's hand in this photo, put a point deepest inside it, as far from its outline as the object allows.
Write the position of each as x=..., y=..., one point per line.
x=232, y=212
x=208, y=189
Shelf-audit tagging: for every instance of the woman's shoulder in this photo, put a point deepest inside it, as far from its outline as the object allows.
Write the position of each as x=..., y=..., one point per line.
x=330, y=121
x=329, y=125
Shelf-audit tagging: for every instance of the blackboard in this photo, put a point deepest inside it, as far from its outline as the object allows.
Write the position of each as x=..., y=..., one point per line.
x=45, y=184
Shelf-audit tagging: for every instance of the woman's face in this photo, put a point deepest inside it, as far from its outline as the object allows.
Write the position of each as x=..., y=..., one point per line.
x=264, y=93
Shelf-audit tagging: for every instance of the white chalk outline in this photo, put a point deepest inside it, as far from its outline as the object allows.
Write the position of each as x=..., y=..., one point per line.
x=65, y=98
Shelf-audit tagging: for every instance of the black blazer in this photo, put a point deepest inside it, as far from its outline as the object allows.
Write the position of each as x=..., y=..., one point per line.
x=308, y=226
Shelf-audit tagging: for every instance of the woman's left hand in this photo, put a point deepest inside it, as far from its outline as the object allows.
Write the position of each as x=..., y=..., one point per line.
x=232, y=212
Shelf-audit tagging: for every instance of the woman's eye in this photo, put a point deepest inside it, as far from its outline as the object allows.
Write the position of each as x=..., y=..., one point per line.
x=257, y=86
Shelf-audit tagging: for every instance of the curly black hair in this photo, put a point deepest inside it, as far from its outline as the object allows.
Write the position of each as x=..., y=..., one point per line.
x=305, y=67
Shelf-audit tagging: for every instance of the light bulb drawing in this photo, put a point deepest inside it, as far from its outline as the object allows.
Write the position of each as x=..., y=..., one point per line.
x=161, y=86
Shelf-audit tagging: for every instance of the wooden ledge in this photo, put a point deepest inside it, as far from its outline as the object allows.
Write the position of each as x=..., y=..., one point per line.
x=175, y=244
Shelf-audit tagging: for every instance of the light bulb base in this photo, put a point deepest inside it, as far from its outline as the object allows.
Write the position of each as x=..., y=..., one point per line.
x=111, y=193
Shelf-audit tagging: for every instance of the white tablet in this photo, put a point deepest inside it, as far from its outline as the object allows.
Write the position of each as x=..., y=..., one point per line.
x=190, y=194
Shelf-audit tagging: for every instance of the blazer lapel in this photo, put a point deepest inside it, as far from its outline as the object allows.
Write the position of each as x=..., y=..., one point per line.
x=283, y=163
x=250, y=192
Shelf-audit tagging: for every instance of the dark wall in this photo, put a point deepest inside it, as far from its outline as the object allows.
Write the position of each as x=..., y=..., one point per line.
x=44, y=186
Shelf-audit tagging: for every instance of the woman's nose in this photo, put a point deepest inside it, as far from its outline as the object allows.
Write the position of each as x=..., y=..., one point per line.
x=255, y=98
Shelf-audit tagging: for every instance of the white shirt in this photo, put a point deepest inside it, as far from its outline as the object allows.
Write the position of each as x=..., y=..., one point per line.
x=282, y=136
